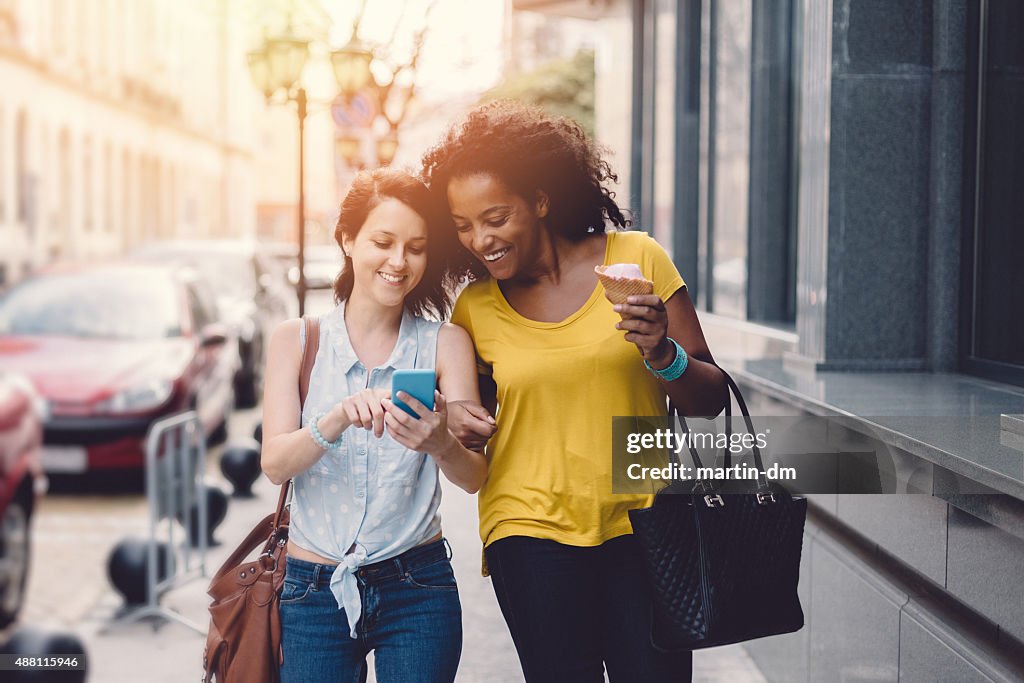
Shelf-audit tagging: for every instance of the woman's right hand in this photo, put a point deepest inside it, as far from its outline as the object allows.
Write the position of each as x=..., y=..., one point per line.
x=471, y=424
x=364, y=410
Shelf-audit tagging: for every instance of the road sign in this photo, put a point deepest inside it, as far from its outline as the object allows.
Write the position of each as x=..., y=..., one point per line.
x=357, y=111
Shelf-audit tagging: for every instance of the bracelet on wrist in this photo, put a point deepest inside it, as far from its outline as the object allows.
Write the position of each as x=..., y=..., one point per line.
x=318, y=438
x=676, y=368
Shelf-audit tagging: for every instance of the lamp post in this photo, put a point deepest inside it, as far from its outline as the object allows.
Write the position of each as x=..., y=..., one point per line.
x=276, y=67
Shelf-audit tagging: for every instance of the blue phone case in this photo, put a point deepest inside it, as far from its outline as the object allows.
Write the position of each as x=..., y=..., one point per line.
x=417, y=383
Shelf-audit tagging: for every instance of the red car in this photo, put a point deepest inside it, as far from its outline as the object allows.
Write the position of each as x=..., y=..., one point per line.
x=21, y=481
x=112, y=348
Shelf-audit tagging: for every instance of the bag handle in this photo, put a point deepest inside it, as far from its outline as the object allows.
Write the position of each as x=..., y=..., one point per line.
x=312, y=326
x=256, y=538
x=734, y=390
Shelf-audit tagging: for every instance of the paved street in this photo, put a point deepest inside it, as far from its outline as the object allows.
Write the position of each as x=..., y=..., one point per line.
x=74, y=533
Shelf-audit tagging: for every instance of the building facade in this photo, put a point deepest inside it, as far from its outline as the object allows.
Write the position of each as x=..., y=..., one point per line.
x=839, y=183
x=121, y=121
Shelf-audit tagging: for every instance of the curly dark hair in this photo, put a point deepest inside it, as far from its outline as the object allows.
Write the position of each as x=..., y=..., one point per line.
x=529, y=151
x=368, y=190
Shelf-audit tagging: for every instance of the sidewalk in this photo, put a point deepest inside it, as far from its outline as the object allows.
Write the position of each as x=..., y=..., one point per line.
x=170, y=653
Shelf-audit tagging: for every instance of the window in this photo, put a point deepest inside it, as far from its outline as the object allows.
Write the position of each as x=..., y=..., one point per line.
x=774, y=154
x=729, y=157
x=992, y=342
x=64, y=152
x=26, y=185
x=87, y=185
x=3, y=166
x=108, y=188
x=127, y=222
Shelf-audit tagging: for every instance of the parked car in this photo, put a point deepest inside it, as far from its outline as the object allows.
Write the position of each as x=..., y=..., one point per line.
x=252, y=297
x=112, y=348
x=21, y=482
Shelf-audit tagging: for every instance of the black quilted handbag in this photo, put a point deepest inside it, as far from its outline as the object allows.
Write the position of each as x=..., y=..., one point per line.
x=723, y=567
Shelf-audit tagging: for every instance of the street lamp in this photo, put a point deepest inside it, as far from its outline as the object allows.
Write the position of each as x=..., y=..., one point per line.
x=347, y=147
x=351, y=66
x=387, y=147
x=277, y=66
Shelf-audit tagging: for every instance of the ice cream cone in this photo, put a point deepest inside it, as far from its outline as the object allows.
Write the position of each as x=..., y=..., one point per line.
x=617, y=289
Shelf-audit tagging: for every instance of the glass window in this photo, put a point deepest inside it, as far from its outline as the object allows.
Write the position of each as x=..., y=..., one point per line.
x=3, y=166
x=731, y=34
x=24, y=191
x=664, y=123
x=65, y=177
x=87, y=184
x=108, y=188
x=774, y=160
x=995, y=149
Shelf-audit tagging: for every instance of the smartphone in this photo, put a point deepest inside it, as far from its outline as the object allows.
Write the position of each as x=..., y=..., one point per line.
x=417, y=383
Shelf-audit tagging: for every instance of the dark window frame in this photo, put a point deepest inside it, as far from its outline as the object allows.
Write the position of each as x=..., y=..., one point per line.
x=973, y=181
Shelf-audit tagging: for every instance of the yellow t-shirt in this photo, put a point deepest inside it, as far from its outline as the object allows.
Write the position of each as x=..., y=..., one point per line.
x=559, y=385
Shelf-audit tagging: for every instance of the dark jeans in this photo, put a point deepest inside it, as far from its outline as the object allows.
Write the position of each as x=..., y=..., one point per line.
x=571, y=608
x=411, y=619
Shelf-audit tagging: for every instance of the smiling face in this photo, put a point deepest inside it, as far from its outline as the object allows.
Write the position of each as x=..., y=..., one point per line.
x=389, y=254
x=499, y=227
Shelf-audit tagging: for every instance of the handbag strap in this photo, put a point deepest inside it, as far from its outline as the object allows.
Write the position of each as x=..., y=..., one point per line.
x=734, y=390
x=256, y=538
x=312, y=328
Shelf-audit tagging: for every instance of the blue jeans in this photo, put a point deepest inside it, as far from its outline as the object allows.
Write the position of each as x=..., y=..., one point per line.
x=411, y=620
x=572, y=611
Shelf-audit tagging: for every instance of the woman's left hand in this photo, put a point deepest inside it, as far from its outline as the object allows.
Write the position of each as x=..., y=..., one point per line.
x=429, y=433
x=646, y=322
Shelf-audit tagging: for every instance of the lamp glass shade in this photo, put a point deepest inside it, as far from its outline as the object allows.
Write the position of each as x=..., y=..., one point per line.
x=259, y=70
x=352, y=67
x=347, y=147
x=286, y=56
x=387, y=147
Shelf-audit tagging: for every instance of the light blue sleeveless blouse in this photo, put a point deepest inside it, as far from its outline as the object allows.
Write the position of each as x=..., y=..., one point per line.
x=371, y=495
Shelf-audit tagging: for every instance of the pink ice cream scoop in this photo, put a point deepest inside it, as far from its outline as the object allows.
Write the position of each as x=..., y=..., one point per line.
x=625, y=270
x=622, y=280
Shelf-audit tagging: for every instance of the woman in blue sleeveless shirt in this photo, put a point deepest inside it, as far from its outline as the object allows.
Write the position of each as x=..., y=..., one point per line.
x=367, y=567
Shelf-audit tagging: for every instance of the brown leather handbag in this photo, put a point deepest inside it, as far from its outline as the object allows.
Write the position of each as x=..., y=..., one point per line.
x=244, y=641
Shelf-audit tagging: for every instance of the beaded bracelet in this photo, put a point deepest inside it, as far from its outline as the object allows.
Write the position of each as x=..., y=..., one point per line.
x=318, y=438
x=676, y=368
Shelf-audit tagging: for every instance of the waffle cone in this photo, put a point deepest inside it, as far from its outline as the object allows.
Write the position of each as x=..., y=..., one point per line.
x=618, y=288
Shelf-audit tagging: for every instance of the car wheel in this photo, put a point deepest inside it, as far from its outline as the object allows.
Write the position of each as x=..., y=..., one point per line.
x=14, y=556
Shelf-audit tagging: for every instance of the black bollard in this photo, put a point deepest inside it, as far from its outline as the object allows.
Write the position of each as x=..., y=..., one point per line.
x=216, y=511
x=240, y=465
x=127, y=565
x=32, y=641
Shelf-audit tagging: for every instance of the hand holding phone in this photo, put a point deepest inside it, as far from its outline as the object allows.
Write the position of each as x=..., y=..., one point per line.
x=417, y=383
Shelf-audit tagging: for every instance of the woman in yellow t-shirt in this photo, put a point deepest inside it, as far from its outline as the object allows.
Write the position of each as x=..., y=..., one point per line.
x=527, y=198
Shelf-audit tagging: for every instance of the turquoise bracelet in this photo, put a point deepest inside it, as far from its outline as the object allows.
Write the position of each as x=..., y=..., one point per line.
x=676, y=368
x=314, y=430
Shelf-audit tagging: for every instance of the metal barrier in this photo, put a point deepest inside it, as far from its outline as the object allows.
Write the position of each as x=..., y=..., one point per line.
x=175, y=464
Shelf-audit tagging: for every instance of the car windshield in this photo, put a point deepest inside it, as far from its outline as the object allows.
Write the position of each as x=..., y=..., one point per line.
x=113, y=305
